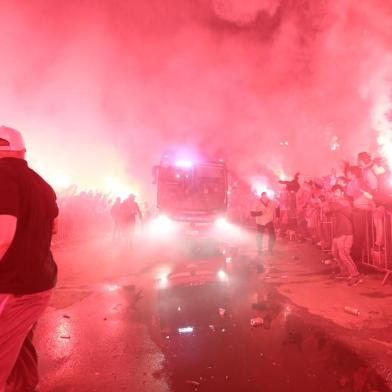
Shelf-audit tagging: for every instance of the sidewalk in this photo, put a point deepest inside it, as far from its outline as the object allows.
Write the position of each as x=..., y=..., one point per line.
x=297, y=273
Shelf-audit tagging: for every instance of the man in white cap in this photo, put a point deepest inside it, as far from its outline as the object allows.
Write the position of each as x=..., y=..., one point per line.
x=28, y=212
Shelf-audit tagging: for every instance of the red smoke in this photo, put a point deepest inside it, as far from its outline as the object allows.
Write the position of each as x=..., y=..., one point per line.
x=101, y=89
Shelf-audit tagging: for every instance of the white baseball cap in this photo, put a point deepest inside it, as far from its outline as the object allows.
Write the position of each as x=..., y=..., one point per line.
x=11, y=139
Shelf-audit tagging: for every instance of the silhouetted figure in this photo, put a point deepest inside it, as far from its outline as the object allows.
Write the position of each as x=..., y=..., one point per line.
x=128, y=212
x=293, y=185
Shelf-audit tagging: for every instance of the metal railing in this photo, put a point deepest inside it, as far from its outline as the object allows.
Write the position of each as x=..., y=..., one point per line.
x=377, y=251
x=326, y=235
x=71, y=230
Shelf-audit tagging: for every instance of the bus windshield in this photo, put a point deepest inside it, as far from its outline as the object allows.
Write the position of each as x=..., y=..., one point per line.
x=197, y=188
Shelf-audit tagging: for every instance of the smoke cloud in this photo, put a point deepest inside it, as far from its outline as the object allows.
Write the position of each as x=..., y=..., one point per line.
x=244, y=12
x=101, y=89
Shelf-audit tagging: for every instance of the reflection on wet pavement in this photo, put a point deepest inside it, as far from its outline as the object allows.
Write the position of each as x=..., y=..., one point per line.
x=287, y=349
x=123, y=335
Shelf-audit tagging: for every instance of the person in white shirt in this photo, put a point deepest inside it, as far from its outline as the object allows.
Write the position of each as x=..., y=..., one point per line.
x=264, y=212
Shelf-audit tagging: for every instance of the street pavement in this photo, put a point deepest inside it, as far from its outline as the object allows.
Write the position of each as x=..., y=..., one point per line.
x=103, y=330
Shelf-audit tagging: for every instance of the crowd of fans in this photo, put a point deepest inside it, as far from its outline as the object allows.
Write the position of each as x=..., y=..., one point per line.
x=82, y=215
x=87, y=215
x=354, y=205
x=346, y=215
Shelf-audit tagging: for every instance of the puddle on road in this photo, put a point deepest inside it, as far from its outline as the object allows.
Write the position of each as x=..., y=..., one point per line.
x=288, y=352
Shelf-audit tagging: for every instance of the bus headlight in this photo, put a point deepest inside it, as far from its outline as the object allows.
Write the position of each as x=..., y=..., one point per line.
x=222, y=276
x=222, y=223
x=163, y=281
x=162, y=225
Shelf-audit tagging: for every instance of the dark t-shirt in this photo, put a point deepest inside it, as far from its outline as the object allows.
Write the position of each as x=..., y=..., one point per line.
x=342, y=217
x=129, y=210
x=28, y=266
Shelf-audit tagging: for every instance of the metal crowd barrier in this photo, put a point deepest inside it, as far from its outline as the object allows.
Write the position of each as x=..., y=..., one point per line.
x=69, y=231
x=59, y=238
x=377, y=251
x=325, y=231
x=326, y=235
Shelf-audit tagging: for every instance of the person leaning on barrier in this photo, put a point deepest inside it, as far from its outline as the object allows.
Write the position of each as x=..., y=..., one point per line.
x=382, y=196
x=356, y=191
x=28, y=212
x=382, y=199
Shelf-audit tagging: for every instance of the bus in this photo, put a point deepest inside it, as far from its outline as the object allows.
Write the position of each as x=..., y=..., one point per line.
x=190, y=191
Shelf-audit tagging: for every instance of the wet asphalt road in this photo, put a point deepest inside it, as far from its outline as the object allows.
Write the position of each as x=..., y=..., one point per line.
x=289, y=351
x=113, y=336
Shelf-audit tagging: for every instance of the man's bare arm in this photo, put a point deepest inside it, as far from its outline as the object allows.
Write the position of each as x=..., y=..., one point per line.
x=7, y=233
x=55, y=226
